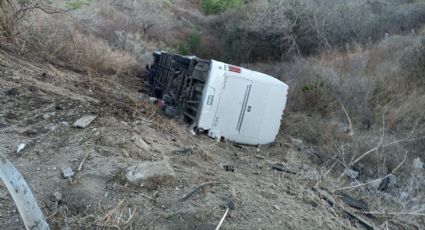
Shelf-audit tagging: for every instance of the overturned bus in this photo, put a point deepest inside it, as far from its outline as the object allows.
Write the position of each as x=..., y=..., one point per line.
x=226, y=101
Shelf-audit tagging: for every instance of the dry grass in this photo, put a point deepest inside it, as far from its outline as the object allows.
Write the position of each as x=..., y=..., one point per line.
x=381, y=86
x=60, y=42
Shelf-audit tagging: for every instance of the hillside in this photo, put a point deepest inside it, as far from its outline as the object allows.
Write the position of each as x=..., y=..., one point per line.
x=350, y=150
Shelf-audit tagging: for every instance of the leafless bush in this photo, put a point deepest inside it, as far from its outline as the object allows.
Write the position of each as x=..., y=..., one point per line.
x=59, y=42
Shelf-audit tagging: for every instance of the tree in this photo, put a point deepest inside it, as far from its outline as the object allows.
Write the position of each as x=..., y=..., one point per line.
x=12, y=13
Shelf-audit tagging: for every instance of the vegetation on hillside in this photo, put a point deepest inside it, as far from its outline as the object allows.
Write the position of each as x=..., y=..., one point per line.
x=355, y=69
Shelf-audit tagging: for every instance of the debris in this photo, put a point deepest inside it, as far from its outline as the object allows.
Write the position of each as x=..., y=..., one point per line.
x=418, y=164
x=22, y=196
x=222, y=219
x=353, y=202
x=351, y=173
x=2, y=125
x=281, y=168
x=229, y=168
x=151, y=174
x=84, y=121
x=67, y=172
x=187, y=196
x=276, y=207
x=21, y=147
x=142, y=110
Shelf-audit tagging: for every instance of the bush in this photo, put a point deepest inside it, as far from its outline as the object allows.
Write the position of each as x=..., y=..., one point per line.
x=190, y=44
x=278, y=29
x=62, y=44
x=218, y=6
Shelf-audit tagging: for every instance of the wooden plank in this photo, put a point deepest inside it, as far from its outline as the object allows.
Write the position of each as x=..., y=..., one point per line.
x=22, y=196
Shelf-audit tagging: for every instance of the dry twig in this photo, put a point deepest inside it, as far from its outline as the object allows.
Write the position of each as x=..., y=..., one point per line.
x=187, y=196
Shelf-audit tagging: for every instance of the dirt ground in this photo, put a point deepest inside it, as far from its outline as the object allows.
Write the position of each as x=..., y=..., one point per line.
x=39, y=103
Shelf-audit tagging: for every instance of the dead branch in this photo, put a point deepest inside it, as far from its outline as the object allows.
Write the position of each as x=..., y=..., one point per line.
x=350, y=124
x=376, y=180
x=187, y=196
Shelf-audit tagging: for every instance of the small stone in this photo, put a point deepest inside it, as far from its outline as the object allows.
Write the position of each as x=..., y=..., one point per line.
x=351, y=173
x=3, y=196
x=64, y=123
x=84, y=121
x=418, y=164
x=46, y=116
x=138, y=140
x=67, y=172
x=276, y=207
x=57, y=196
x=299, y=144
x=151, y=174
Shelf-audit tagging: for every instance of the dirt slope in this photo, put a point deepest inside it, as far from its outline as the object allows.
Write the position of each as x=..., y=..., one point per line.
x=39, y=103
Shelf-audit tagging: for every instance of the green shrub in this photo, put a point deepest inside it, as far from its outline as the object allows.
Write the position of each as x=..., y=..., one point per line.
x=190, y=44
x=217, y=6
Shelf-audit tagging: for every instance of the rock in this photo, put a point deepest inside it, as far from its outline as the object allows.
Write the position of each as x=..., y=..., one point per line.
x=138, y=140
x=299, y=144
x=21, y=147
x=84, y=121
x=57, y=196
x=151, y=174
x=2, y=125
x=64, y=123
x=46, y=116
x=67, y=172
x=3, y=196
x=351, y=173
x=276, y=207
x=418, y=164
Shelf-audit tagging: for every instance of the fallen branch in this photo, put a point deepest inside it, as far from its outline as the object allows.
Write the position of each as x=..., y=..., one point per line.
x=350, y=125
x=281, y=168
x=376, y=180
x=21, y=194
x=187, y=196
x=82, y=162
